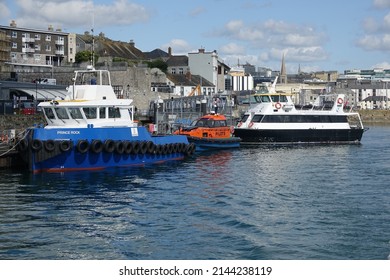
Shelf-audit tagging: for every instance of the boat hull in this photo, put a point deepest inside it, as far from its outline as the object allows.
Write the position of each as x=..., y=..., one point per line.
x=61, y=150
x=292, y=136
x=204, y=144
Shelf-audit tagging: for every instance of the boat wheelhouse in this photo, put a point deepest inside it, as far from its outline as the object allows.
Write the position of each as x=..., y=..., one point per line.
x=92, y=129
x=210, y=132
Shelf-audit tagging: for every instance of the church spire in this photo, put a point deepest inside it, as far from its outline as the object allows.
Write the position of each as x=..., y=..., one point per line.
x=283, y=72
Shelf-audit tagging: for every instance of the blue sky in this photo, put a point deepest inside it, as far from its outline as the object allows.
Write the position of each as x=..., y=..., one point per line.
x=313, y=34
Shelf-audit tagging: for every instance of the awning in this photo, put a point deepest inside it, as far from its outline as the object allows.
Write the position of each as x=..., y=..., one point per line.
x=44, y=94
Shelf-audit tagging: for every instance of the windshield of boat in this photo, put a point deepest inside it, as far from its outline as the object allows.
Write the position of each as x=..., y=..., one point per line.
x=279, y=98
x=210, y=123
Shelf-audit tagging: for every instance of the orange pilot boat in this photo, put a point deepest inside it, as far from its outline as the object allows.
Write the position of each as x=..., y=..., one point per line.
x=210, y=132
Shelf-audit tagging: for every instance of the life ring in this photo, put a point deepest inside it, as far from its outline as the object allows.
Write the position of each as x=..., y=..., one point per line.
x=109, y=146
x=250, y=124
x=23, y=145
x=128, y=147
x=97, y=146
x=82, y=146
x=50, y=145
x=278, y=105
x=119, y=147
x=340, y=100
x=65, y=145
x=136, y=147
x=36, y=145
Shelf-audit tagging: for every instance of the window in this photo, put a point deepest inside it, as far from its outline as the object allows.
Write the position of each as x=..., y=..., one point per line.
x=49, y=113
x=102, y=112
x=75, y=113
x=61, y=113
x=173, y=71
x=71, y=51
x=181, y=71
x=257, y=118
x=48, y=48
x=48, y=38
x=90, y=112
x=37, y=36
x=14, y=45
x=113, y=112
x=14, y=34
x=37, y=57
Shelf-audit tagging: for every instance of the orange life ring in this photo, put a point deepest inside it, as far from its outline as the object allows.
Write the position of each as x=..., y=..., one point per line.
x=278, y=105
x=340, y=100
x=250, y=124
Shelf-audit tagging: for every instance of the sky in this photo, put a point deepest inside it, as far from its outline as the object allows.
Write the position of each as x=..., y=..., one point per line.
x=313, y=35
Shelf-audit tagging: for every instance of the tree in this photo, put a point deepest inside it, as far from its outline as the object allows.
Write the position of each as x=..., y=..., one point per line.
x=85, y=56
x=163, y=66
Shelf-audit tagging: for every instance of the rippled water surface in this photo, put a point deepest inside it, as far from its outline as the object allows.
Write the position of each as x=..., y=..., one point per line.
x=301, y=202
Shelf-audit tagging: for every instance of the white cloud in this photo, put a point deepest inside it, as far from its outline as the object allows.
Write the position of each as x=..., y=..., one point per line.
x=4, y=11
x=383, y=65
x=197, y=11
x=232, y=48
x=381, y=4
x=78, y=13
x=179, y=47
x=375, y=42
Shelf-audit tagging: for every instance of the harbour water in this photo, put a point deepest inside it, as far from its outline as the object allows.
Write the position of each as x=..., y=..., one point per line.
x=295, y=203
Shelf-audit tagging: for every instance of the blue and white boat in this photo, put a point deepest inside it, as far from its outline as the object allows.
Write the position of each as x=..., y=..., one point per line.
x=92, y=129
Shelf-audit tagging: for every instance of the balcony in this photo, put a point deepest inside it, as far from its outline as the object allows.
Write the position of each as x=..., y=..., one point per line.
x=60, y=42
x=28, y=50
x=28, y=40
x=59, y=52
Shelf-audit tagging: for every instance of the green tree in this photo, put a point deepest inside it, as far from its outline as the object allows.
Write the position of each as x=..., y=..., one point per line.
x=162, y=65
x=84, y=56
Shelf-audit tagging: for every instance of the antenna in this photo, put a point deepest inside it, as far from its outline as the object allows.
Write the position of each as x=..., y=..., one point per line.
x=93, y=40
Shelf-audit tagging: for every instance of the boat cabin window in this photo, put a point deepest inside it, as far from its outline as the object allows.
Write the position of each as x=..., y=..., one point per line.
x=261, y=98
x=102, y=112
x=49, y=113
x=90, y=112
x=257, y=118
x=279, y=98
x=61, y=113
x=113, y=112
x=220, y=123
x=75, y=113
x=244, y=118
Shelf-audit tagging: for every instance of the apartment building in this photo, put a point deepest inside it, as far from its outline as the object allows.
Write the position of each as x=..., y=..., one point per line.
x=34, y=47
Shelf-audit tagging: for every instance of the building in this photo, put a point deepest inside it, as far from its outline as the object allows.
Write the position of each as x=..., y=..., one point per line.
x=210, y=67
x=31, y=48
x=240, y=80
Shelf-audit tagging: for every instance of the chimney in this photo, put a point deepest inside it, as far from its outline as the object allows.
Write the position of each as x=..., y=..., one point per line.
x=132, y=43
x=13, y=23
x=50, y=28
x=201, y=50
x=169, y=51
